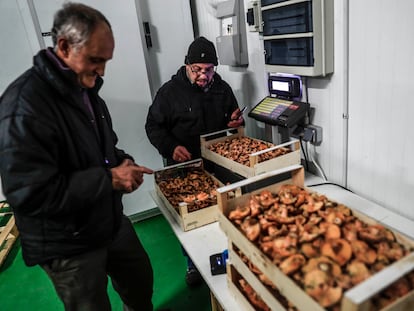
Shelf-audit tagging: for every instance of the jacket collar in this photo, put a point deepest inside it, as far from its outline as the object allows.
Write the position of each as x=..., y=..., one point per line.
x=61, y=77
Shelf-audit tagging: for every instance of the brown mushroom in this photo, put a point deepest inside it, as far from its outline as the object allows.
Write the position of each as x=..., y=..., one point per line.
x=239, y=212
x=251, y=228
x=309, y=250
x=358, y=272
x=331, y=230
x=266, y=198
x=292, y=264
x=374, y=233
x=339, y=250
x=255, y=207
x=363, y=252
x=331, y=296
x=317, y=285
x=324, y=264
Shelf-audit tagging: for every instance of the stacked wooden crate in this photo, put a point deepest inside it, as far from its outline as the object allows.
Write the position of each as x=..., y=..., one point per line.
x=290, y=295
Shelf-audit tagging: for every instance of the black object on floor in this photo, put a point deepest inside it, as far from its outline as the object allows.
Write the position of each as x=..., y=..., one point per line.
x=193, y=277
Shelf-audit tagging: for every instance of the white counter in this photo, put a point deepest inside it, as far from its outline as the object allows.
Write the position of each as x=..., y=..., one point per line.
x=202, y=242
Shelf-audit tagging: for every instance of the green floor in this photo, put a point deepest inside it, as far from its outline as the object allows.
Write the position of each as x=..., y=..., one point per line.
x=27, y=289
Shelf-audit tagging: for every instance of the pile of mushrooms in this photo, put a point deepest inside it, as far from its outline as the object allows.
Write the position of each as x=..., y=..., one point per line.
x=239, y=149
x=320, y=244
x=194, y=188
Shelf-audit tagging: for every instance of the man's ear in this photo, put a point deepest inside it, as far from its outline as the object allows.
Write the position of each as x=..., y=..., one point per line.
x=63, y=46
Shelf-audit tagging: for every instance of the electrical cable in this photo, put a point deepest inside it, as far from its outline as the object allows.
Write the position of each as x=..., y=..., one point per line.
x=305, y=154
x=321, y=172
x=308, y=121
x=330, y=183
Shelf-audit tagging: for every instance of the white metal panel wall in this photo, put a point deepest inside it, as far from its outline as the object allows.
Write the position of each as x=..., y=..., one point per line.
x=381, y=65
x=15, y=57
x=171, y=33
x=15, y=52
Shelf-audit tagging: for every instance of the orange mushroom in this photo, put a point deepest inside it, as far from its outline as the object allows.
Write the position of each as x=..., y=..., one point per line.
x=324, y=264
x=239, y=212
x=317, y=285
x=292, y=264
x=251, y=228
x=363, y=252
x=358, y=272
x=339, y=250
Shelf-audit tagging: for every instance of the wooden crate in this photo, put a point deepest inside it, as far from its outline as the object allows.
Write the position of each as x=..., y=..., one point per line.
x=255, y=167
x=233, y=277
x=8, y=231
x=237, y=269
x=215, y=305
x=357, y=298
x=188, y=220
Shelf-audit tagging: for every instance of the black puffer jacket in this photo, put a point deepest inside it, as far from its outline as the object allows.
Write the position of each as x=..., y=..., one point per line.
x=181, y=112
x=55, y=166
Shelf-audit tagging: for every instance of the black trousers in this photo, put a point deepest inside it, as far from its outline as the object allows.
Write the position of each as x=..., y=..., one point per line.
x=81, y=281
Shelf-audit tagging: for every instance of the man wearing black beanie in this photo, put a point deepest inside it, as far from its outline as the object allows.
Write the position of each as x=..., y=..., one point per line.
x=194, y=102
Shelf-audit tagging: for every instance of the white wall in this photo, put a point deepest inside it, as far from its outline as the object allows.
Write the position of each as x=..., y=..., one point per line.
x=369, y=152
x=171, y=32
x=381, y=142
x=16, y=57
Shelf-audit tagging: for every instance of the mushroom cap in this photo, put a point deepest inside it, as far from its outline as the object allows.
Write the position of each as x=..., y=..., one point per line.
x=292, y=264
x=324, y=264
x=317, y=286
x=358, y=272
x=338, y=249
x=251, y=228
x=363, y=252
x=239, y=212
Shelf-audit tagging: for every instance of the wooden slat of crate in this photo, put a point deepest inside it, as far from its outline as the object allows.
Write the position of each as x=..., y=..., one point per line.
x=255, y=167
x=8, y=236
x=215, y=305
x=187, y=220
x=234, y=290
x=270, y=300
x=358, y=298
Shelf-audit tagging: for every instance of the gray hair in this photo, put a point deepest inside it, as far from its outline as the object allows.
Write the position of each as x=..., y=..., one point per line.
x=75, y=22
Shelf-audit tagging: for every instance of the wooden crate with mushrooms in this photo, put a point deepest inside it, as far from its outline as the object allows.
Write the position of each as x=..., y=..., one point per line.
x=318, y=253
x=247, y=156
x=189, y=193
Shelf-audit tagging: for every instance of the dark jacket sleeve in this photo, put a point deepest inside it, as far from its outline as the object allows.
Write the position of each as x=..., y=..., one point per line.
x=157, y=126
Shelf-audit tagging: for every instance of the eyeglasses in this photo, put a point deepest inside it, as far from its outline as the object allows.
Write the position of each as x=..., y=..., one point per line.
x=199, y=71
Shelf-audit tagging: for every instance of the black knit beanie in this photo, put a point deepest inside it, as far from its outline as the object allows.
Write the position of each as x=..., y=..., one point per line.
x=201, y=51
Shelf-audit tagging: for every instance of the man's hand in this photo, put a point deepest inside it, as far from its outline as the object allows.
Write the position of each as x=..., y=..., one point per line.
x=181, y=154
x=128, y=176
x=236, y=118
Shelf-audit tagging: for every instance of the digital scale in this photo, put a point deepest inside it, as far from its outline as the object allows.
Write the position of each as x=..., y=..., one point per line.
x=280, y=112
x=279, y=108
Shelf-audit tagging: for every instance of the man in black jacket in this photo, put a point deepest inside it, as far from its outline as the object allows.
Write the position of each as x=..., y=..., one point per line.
x=195, y=101
x=63, y=175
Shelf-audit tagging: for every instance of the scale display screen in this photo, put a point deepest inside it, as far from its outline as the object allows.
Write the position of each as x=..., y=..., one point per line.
x=279, y=112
